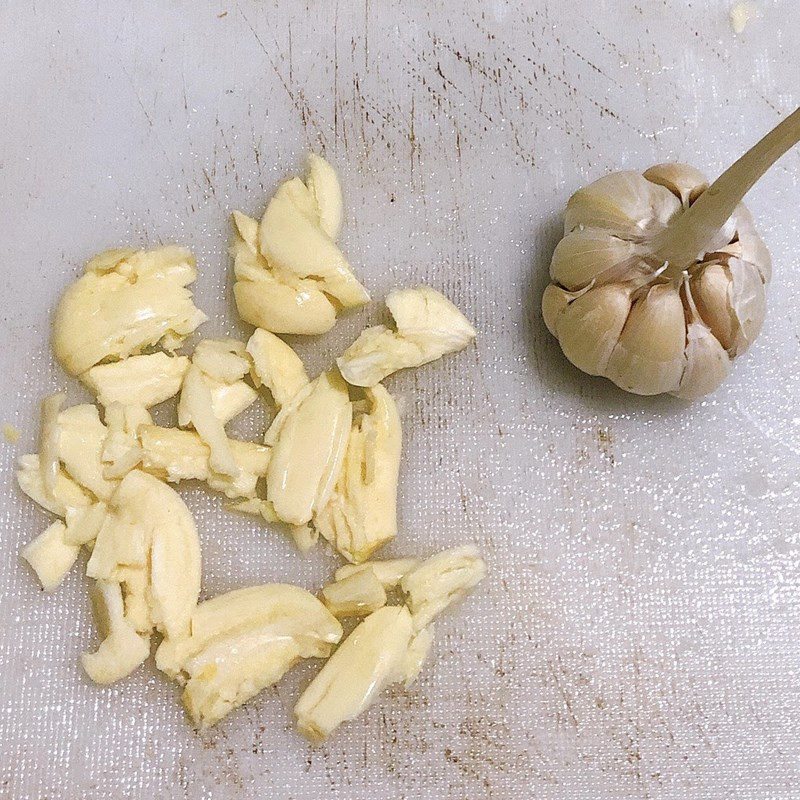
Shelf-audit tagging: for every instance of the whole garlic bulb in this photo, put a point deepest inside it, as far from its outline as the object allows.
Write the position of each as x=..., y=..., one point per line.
x=616, y=313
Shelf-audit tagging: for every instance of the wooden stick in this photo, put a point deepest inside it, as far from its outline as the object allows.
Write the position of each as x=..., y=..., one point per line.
x=692, y=231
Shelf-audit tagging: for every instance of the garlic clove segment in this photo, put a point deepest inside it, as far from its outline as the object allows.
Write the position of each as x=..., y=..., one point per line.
x=589, y=328
x=276, y=366
x=590, y=255
x=51, y=556
x=243, y=641
x=623, y=203
x=649, y=355
x=356, y=595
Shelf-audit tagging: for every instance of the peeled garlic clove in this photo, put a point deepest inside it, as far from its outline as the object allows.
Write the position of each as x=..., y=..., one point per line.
x=370, y=658
x=323, y=183
x=125, y=301
x=310, y=441
x=291, y=239
x=361, y=513
x=175, y=455
x=276, y=365
x=267, y=303
x=649, y=356
x=144, y=380
x=624, y=203
x=687, y=183
x=51, y=556
x=356, y=595
x=589, y=328
x=590, y=254
x=440, y=581
x=122, y=649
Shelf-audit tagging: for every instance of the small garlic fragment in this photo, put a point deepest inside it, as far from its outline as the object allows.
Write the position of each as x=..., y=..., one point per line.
x=440, y=581
x=388, y=572
x=122, y=649
x=356, y=595
x=144, y=380
x=323, y=183
x=51, y=556
x=428, y=327
x=276, y=365
x=80, y=448
x=49, y=438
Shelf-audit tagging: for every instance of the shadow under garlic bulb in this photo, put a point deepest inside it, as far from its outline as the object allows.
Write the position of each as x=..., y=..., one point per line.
x=620, y=310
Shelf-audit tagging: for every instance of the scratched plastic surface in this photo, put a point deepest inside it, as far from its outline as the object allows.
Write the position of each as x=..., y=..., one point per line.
x=638, y=635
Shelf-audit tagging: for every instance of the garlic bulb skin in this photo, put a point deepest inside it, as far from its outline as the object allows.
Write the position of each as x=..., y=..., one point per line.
x=614, y=311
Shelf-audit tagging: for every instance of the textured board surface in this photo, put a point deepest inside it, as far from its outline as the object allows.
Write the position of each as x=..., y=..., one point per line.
x=638, y=634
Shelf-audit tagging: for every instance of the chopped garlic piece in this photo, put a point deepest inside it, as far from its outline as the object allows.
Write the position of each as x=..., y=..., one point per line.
x=49, y=437
x=428, y=327
x=370, y=658
x=361, y=514
x=122, y=649
x=80, y=448
x=195, y=407
x=176, y=455
x=67, y=492
x=228, y=400
x=310, y=438
x=224, y=360
x=150, y=526
x=11, y=433
x=121, y=451
x=305, y=537
x=740, y=15
x=125, y=301
x=417, y=654
x=50, y=556
x=144, y=380
x=135, y=583
x=276, y=365
x=440, y=581
x=84, y=523
x=323, y=183
x=357, y=595
x=284, y=304
x=292, y=240
x=388, y=572
x=243, y=641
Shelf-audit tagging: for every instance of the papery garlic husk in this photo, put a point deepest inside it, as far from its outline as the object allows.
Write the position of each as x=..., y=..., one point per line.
x=616, y=314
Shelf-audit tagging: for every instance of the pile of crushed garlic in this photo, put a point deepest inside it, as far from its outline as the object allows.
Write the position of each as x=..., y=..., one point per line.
x=328, y=465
